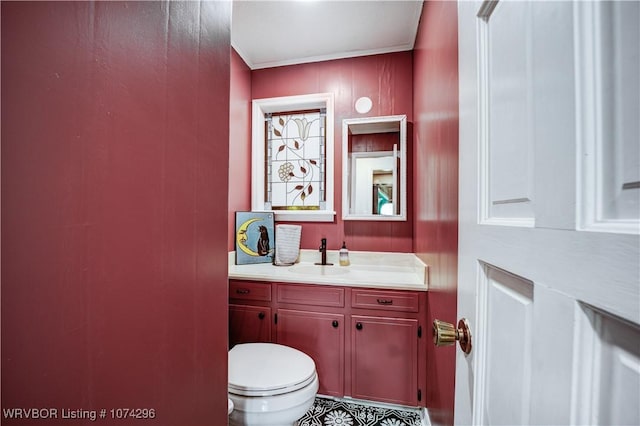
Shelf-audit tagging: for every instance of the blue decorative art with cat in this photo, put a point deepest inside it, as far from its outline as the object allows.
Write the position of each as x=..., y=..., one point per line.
x=255, y=242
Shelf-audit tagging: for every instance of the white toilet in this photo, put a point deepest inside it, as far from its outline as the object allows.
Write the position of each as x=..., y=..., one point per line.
x=270, y=384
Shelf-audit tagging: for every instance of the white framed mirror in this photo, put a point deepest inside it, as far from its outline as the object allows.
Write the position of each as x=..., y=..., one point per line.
x=374, y=168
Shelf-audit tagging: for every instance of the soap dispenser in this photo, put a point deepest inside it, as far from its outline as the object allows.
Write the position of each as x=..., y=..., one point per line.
x=344, y=255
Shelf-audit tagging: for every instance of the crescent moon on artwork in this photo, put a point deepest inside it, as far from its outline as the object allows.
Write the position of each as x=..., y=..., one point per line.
x=241, y=237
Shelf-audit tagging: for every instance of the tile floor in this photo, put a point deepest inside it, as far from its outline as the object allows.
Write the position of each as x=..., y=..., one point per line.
x=337, y=412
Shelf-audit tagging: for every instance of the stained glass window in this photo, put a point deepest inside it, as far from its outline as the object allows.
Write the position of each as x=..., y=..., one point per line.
x=295, y=152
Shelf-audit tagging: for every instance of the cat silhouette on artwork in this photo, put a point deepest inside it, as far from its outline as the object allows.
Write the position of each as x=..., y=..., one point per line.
x=263, y=242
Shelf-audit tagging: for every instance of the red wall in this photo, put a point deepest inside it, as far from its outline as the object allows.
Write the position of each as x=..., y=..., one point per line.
x=115, y=129
x=239, y=142
x=436, y=186
x=387, y=80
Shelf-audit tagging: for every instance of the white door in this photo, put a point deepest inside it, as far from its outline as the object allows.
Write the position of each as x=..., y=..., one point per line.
x=549, y=253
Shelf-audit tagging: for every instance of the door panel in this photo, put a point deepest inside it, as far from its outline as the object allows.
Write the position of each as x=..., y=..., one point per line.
x=545, y=131
x=608, y=69
x=507, y=321
x=617, y=35
x=607, y=384
x=321, y=336
x=388, y=342
x=249, y=324
x=506, y=67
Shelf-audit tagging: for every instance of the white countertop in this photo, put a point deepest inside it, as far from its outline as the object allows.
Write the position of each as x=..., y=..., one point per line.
x=386, y=270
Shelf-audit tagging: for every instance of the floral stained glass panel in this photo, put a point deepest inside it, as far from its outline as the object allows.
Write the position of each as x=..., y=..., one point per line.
x=295, y=156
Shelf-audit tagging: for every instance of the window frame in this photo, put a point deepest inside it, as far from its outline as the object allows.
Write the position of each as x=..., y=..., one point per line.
x=261, y=107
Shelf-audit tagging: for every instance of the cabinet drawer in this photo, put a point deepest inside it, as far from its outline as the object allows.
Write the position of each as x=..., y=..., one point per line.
x=311, y=295
x=248, y=290
x=405, y=301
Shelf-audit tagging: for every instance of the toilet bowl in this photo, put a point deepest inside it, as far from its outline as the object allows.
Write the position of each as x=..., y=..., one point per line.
x=270, y=384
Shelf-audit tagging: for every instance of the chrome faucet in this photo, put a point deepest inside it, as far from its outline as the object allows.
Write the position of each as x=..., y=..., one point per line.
x=323, y=251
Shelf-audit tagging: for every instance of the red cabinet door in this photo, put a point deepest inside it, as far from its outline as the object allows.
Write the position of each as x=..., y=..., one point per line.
x=249, y=324
x=321, y=336
x=384, y=359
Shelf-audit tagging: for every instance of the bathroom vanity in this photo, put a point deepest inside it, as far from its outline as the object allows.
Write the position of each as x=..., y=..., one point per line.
x=364, y=325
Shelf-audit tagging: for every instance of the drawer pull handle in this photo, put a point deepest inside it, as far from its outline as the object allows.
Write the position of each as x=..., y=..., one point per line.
x=335, y=323
x=242, y=291
x=385, y=301
x=359, y=325
x=261, y=315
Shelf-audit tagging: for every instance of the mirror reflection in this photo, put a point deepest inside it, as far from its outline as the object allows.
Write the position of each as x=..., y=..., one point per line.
x=374, y=168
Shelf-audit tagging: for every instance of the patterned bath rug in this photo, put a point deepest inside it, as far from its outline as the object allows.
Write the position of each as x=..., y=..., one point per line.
x=328, y=412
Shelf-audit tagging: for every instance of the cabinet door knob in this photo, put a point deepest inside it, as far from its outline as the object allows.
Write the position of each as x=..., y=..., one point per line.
x=261, y=315
x=335, y=323
x=359, y=325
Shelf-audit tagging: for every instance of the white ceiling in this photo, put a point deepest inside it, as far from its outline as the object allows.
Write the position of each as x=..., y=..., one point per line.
x=268, y=33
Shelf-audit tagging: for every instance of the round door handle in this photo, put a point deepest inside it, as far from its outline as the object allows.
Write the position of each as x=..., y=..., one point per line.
x=359, y=326
x=261, y=315
x=445, y=334
x=335, y=323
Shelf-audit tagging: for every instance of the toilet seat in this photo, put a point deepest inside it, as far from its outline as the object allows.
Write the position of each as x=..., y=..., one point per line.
x=268, y=369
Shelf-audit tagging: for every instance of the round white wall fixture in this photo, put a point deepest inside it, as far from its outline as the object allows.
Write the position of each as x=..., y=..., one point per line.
x=363, y=105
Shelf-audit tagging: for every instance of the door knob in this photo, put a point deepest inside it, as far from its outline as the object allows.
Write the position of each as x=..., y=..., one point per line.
x=445, y=334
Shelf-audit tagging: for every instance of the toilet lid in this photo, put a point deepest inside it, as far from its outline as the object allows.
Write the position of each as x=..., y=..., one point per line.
x=262, y=369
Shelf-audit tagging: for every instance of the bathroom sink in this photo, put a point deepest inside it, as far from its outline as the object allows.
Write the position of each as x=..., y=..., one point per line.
x=318, y=270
